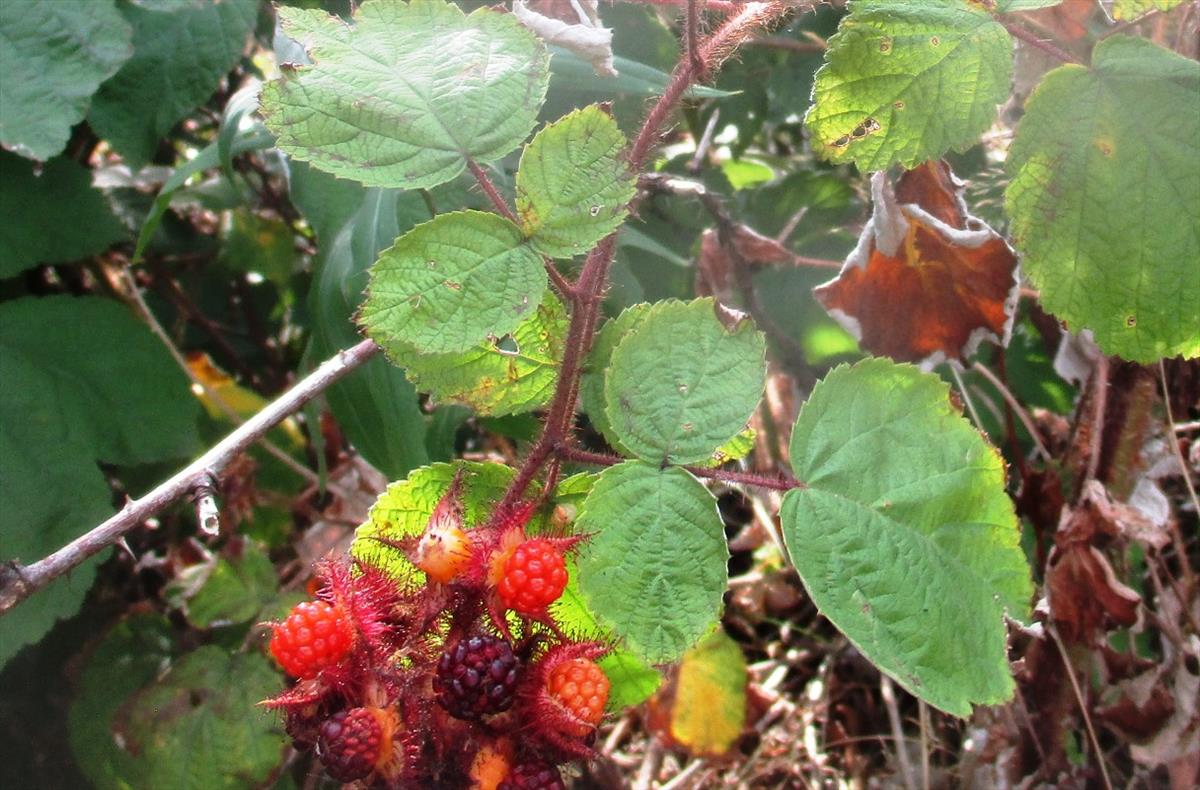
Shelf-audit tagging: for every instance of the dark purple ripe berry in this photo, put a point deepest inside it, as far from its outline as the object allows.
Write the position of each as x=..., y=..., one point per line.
x=476, y=677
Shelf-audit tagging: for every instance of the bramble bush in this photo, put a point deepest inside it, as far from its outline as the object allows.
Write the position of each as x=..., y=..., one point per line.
x=590, y=267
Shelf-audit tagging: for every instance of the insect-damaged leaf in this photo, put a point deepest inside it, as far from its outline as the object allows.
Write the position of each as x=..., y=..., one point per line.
x=449, y=283
x=904, y=534
x=927, y=281
x=1105, y=198
x=572, y=184
x=908, y=80
x=500, y=375
x=407, y=92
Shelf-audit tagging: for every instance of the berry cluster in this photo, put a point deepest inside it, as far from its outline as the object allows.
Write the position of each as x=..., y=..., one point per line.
x=464, y=680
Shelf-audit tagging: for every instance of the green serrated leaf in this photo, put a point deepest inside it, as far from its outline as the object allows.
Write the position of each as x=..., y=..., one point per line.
x=180, y=55
x=904, y=536
x=131, y=655
x=1105, y=198
x=573, y=187
x=404, y=510
x=505, y=376
x=376, y=407
x=32, y=231
x=236, y=590
x=654, y=571
x=908, y=80
x=204, y=707
x=408, y=92
x=1132, y=9
x=55, y=55
x=680, y=384
x=449, y=283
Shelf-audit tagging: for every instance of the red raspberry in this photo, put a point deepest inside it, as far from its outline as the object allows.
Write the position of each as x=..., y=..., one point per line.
x=533, y=775
x=477, y=676
x=316, y=635
x=580, y=687
x=352, y=744
x=534, y=577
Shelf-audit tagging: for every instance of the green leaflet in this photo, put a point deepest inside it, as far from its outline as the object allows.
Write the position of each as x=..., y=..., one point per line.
x=908, y=80
x=572, y=184
x=497, y=377
x=32, y=231
x=449, y=283
x=404, y=510
x=180, y=54
x=680, y=385
x=1105, y=198
x=49, y=77
x=408, y=92
x=904, y=536
x=654, y=572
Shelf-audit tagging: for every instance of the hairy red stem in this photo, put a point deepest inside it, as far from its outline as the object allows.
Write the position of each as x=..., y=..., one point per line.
x=490, y=190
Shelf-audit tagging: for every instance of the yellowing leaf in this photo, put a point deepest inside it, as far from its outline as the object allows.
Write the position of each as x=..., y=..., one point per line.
x=709, y=709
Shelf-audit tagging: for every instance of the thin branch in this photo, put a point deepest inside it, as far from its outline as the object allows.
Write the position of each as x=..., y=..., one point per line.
x=490, y=190
x=133, y=293
x=1017, y=408
x=18, y=582
x=692, y=38
x=771, y=482
x=966, y=396
x=1049, y=47
x=1183, y=470
x=1087, y=719
x=561, y=284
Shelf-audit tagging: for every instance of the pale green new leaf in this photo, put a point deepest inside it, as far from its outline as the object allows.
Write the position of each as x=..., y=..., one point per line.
x=1123, y=10
x=654, y=571
x=403, y=510
x=54, y=56
x=497, y=377
x=407, y=92
x=573, y=187
x=908, y=80
x=451, y=282
x=904, y=535
x=680, y=384
x=1105, y=198
x=181, y=52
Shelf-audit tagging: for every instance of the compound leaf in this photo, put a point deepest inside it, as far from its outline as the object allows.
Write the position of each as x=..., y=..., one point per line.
x=499, y=376
x=1105, y=197
x=904, y=534
x=908, y=80
x=55, y=55
x=34, y=204
x=654, y=571
x=680, y=384
x=449, y=283
x=572, y=185
x=181, y=51
x=408, y=92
